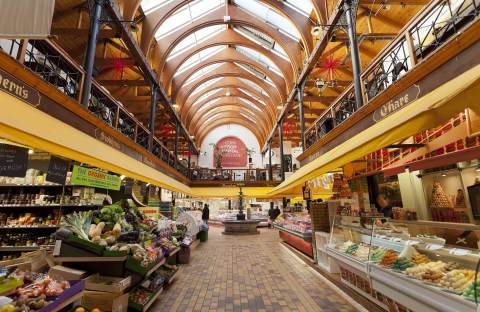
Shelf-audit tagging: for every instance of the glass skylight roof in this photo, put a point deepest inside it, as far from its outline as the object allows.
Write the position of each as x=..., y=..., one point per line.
x=186, y=15
x=195, y=38
x=204, y=96
x=149, y=6
x=198, y=57
x=253, y=96
x=253, y=85
x=270, y=16
x=208, y=104
x=304, y=7
x=263, y=40
x=250, y=104
x=201, y=72
x=262, y=59
x=204, y=85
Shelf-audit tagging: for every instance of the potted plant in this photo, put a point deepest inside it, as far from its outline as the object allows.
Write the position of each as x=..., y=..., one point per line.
x=219, y=155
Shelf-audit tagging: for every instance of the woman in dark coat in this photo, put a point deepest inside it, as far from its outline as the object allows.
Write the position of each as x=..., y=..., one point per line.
x=205, y=214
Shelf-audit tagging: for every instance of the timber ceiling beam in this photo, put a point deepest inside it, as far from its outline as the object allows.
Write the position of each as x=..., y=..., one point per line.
x=83, y=32
x=227, y=70
x=229, y=55
x=137, y=53
x=124, y=83
x=221, y=94
x=226, y=103
x=238, y=17
x=202, y=132
x=228, y=37
x=223, y=84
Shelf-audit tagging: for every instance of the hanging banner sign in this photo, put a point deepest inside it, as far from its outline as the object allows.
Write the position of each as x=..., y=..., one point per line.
x=95, y=178
x=232, y=151
x=13, y=161
x=57, y=170
x=397, y=103
x=18, y=89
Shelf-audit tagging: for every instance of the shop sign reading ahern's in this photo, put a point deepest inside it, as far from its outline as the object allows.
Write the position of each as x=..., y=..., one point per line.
x=397, y=103
x=95, y=178
x=234, y=152
x=18, y=89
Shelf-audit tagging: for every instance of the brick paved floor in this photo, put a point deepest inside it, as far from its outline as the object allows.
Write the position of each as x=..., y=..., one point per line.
x=248, y=273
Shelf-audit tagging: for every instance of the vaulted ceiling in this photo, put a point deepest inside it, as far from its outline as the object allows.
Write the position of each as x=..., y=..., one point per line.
x=229, y=61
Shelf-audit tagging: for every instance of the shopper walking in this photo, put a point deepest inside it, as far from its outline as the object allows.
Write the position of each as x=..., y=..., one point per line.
x=205, y=214
x=271, y=213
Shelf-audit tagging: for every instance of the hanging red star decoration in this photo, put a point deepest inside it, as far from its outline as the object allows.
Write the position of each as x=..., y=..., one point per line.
x=118, y=66
x=166, y=130
x=329, y=67
x=187, y=154
x=287, y=127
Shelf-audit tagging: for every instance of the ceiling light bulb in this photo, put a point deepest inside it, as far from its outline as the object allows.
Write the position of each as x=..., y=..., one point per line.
x=228, y=94
x=478, y=169
x=175, y=106
x=30, y=152
x=316, y=30
x=444, y=174
x=279, y=106
x=122, y=177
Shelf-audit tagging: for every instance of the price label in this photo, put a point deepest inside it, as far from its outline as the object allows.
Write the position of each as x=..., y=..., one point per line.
x=434, y=246
x=411, y=242
x=459, y=252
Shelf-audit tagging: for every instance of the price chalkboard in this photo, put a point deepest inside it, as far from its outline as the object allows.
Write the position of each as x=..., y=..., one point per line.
x=13, y=161
x=57, y=170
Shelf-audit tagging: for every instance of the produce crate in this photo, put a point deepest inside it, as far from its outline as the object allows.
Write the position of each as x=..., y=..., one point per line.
x=138, y=307
x=109, y=253
x=76, y=287
x=84, y=244
x=107, y=283
x=134, y=266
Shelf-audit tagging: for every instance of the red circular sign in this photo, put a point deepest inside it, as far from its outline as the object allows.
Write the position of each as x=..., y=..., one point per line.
x=233, y=151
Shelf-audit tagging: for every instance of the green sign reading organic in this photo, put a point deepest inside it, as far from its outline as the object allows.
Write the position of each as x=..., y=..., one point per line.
x=95, y=178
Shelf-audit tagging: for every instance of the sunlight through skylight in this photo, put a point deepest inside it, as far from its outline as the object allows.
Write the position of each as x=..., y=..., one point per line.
x=270, y=16
x=195, y=38
x=187, y=15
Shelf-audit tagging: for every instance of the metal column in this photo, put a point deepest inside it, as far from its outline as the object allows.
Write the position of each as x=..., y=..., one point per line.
x=177, y=130
x=153, y=114
x=300, y=88
x=280, y=143
x=350, y=16
x=91, y=50
x=270, y=169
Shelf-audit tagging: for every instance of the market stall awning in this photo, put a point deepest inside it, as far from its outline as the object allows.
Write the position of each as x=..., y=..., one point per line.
x=427, y=112
x=23, y=123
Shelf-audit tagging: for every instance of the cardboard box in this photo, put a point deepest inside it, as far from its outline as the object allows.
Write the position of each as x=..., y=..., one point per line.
x=107, y=283
x=105, y=301
x=62, y=273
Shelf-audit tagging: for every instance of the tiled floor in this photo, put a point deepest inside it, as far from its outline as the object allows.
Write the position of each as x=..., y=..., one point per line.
x=248, y=273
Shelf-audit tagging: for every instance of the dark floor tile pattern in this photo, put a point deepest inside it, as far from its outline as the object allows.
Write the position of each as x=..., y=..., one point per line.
x=248, y=273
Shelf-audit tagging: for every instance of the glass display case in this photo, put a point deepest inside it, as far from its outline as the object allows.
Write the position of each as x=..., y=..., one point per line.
x=415, y=265
x=296, y=230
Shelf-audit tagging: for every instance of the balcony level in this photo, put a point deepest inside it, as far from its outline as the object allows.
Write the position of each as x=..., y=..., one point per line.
x=424, y=55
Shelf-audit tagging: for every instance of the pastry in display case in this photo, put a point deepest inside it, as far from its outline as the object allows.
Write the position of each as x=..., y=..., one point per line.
x=425, y=266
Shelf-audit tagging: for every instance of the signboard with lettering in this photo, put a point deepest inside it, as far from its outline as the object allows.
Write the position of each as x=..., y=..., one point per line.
x=57, y=170
x=18, y=89
x=307, y=195
x=233, y=152
x=95, y=178
x=13, y=161
x=396, y=103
